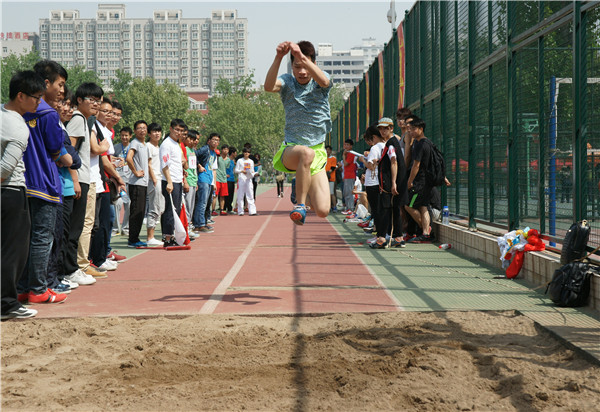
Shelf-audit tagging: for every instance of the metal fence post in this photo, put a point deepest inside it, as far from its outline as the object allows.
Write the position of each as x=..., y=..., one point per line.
x=580, y=113
x=513, y=194
x=472, y=177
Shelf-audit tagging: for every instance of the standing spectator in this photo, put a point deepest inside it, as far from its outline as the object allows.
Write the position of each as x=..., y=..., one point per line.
x=419, y=189
x=87, y=97
x=223, y=162
x=172, y=184
x=330, y=168
x=156, y=200
x=374, y=139
x=121, y=150
x=279, y=179
x=206, y=157
x=392, y=183
x=256, y=178
x=25, y=92
x=349, y=175
x=56, y=276
x=137, y=160
x=99, y=245
x=230, y=180
x=191, y=141
x=43, y=183
x=244, y=168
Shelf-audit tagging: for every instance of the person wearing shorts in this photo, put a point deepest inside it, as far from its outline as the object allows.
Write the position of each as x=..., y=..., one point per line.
x=330, y=168
x=419, y=191
x=305, y=98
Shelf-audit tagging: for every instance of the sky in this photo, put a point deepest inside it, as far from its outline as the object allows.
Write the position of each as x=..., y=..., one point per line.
x=342, y=23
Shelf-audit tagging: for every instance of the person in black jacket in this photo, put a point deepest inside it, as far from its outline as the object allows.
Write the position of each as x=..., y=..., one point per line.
x=392, y=186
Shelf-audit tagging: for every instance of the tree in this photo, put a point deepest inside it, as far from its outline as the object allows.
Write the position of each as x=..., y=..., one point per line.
x=144, y=99
x=336, y=100
x=241, y=115
x=13, y=64
x=79, y=75
x=120, y=83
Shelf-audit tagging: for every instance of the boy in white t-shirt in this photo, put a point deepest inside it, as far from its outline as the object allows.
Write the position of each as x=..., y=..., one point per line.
x=172, y=182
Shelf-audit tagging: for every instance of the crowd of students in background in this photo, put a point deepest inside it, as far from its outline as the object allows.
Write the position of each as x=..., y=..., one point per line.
x=390, y=180
x=65, y=186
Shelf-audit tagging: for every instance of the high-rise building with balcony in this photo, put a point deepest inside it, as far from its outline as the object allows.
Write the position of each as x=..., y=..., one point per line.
x=190, y=52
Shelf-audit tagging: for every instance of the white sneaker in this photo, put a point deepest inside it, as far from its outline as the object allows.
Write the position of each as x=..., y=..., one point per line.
x=193, y=235
x=372, y=240
x=154, y=242
x=72, y=285
x=80, y=278
x=109, y=265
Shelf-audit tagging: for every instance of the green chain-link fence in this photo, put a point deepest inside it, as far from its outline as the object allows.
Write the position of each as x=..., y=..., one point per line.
x=510, y=91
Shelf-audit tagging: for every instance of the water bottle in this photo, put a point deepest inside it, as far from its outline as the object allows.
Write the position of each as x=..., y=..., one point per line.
x=446, y=216
x=124, y=196
x=445, y=246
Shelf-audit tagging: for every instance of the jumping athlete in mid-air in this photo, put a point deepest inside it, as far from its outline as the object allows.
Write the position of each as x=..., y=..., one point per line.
x=305, y=97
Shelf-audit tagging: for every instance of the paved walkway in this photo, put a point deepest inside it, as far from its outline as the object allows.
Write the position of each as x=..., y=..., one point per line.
x=267, y=265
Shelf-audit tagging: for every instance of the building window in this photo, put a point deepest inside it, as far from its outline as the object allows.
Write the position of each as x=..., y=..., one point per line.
x=240, y=35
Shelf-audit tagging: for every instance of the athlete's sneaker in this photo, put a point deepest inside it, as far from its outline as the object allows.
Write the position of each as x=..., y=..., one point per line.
x=47, y=297
x=136, y=244
x=223, y=213
x=20, y=313
x=91, y=271
x=23, y=297
x=298, y=215
x=214, y=213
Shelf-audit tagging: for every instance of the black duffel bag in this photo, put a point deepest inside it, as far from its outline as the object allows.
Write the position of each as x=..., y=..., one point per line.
x=570, y=285
x=575, y=242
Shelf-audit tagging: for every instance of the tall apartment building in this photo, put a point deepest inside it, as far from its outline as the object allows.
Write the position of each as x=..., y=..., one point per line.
x=190, y=52
x=347, y=67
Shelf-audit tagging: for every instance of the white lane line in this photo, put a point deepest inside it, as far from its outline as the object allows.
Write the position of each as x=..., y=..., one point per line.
x=388, y=292
x=218, y=294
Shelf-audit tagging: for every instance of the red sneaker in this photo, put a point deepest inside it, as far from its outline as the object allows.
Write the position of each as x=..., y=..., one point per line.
x=47, y=297
x=363, y=224
x=223, y=213
x=214, y=213
x=23, y=297
x=117, y=258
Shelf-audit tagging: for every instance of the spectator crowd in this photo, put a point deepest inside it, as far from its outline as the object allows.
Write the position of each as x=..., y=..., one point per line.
x=67, y=188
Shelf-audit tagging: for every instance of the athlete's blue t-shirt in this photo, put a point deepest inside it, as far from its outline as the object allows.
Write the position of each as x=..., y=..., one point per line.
x=307, y=115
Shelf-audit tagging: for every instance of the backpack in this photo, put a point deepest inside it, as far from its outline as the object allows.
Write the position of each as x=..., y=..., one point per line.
x=436, y=171
x=570, y=285
x=576, y=240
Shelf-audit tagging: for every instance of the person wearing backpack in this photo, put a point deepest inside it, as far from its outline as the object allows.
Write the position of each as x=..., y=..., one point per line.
x=419, y=187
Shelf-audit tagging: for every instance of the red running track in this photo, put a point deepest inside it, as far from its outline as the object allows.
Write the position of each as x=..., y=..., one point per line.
x=250, y=265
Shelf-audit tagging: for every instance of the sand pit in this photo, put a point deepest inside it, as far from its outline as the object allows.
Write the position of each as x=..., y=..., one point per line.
x=345, y=362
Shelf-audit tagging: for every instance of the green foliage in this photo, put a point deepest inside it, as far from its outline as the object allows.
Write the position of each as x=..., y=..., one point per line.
x=336, y=100
x=241, y=116
x=146, y=100
x=79, y=75
x=120, y=83
x=13, y=64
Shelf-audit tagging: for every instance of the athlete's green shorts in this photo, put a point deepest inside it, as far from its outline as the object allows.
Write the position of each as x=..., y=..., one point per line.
x=316, y=166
